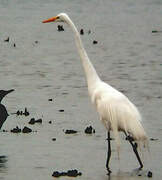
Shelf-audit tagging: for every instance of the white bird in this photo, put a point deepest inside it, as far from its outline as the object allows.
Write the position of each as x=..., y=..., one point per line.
x=116, y=111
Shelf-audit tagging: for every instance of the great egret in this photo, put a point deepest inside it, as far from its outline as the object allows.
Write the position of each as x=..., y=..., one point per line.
x=116, y=111
x=3, y=111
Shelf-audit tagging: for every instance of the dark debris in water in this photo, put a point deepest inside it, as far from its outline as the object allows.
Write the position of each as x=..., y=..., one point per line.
x=60, y=28
x=18, y=130
x=20, y=113
x=149, y=174
x=154, y=139
x=33, y=121
x=61, y=110
x=70, y=173
x=156, y=31
x=70, y=131
x=89, y=130
x=26, y=130
x=4, y=130
x=81, y=31
x=95, y=42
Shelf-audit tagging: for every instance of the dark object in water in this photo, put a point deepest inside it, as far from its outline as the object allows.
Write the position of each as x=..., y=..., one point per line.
x=26, y=113
x=33, y=121
x=70, y=173
x=50, y=99
x=36, y=42
x=149, y=174
x=3, y=112
x=95, y=42
x=7, y=40
x=70, y=131
x=89, y=130
x=153, y=139
x=61, y=110
x=26, y=130
x=14, y=45
x=19, y=113
x=16, y=130
x=4, y=130
x=81, y=31
x=156, y=31
x=53, y=139
x=60, y=28
x=50, y=122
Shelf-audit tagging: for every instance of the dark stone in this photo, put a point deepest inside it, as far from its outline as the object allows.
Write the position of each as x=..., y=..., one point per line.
x=4, y=130
x=95, y=42
x=81, y=31
x=89, y=130
x=155, y=31
x=70, y=173
x=26, y=130
x=26, y=113
x=16, y=130
x=38, y=121
x=56, y=174
x=32, y=121
x=153, y=139
x=149, y=174
x=61, y=110
x=70, y=131
x=60, y=28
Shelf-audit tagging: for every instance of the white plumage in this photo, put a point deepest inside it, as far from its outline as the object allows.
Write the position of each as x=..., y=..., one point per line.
x=116, y=111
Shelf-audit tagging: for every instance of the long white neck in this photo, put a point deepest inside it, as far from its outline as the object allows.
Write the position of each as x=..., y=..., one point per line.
x=90, y=72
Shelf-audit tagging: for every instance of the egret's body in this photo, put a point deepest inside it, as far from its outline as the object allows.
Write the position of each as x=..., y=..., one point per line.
x=116, y=111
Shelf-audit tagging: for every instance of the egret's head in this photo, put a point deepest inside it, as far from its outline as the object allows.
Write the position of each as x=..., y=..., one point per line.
x=62, y=17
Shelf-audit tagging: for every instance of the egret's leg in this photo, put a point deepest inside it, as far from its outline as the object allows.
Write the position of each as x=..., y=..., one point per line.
x=108, y=153
x=134, y=145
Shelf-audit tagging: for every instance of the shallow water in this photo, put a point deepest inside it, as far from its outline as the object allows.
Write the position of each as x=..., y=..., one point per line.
x=128, y=56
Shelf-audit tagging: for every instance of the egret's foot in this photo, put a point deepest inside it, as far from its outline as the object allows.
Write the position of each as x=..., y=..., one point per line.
x=108, y=171
x=137, y=169
x=140, y=168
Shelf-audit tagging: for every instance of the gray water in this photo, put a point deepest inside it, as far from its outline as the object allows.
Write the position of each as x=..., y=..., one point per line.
x=128, y=56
